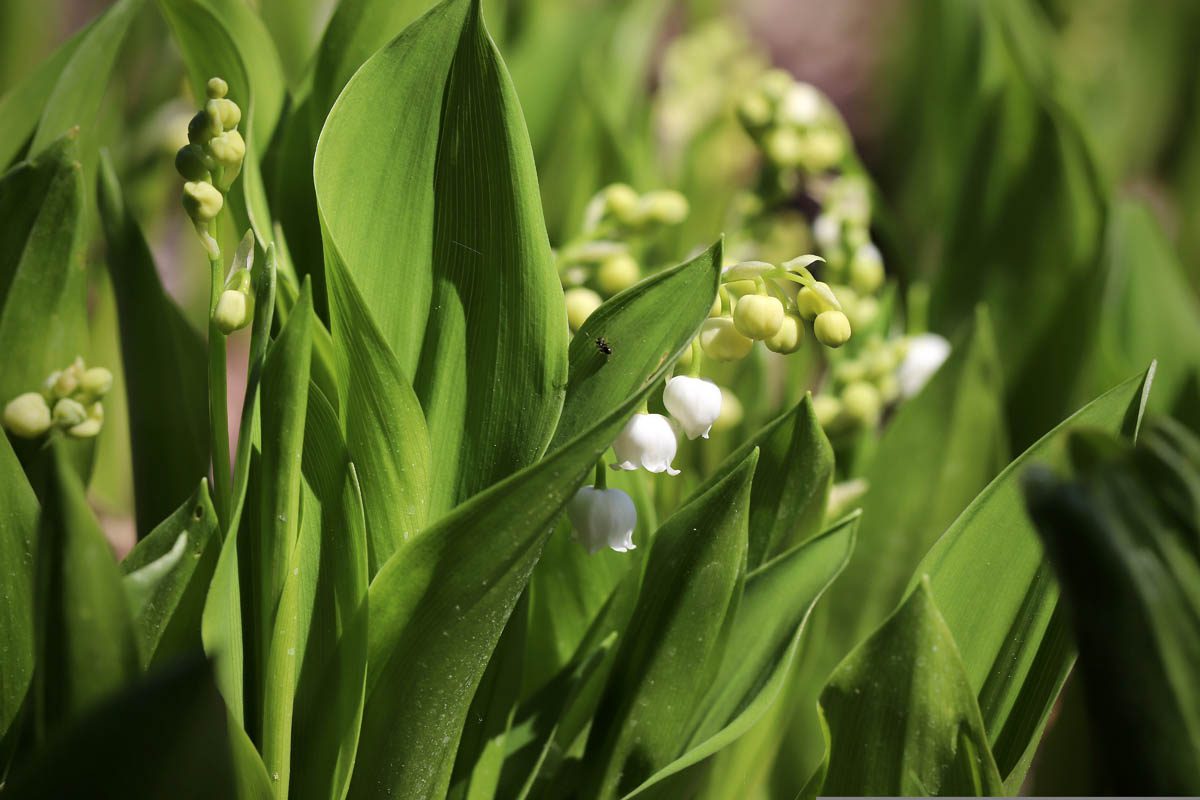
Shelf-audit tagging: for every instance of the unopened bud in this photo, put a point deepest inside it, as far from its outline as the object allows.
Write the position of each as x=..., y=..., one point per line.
x=788, y=338
x=721, y=341
x=832, y=328
x=755, y=111
x=69, y=413
x=664, y=207
x=67, y=381
x=784, y=147
x=232, y=312
x=203, y=127
x=862, y=403
x=96, y=382
x=225, y=112
x=27, y=415
x=580, y=305
x=228, y=149
x=866, y=269
x=823, y=149
x=812, y=300
x=621, y=201
x=216, y=88
x=827, y=409
x=617, y=272
x=758, y=316
x=193, y=163
x=202, y=201
x=90, y=426
x=801, y=105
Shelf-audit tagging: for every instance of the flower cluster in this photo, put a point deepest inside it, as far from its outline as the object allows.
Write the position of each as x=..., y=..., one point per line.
x=70, y=401
x=211, y=161
x=794, y=125
x=600, y=262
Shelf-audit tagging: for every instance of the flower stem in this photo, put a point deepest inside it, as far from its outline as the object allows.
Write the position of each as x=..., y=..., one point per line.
x=601, y=481
x=218, y=410
x=697, y=357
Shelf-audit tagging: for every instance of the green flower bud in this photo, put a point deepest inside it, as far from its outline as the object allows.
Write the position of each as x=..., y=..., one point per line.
x=889, y=388
x=823, y=149
x=861, y=402
x=193, y=163
x=784, y=147
x=202, y=201
x=850, y=372
x=832, y=328
x=96, y=382
x=48, y=385
x=27, y=415
x=684, y=361
x=225, y=112
x=665, y=207
x=617, y=272
x=228, y=149
x=754, y=111
x=67, y=381
x=866, y=269
x=90, y=426
x=203, y=127
x=758, y=316
x=863, y=313
x=232, y=312
x=812, y=300
x=827, y=409
x=216, y=88
x=789, y=337
x=580, y=305
x=776, y=83
x=69, y=413
x=721, y=341
x=715, y=309
x=621, y=201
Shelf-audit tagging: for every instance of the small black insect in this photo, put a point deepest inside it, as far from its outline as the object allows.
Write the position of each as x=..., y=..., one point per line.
x=603, y=346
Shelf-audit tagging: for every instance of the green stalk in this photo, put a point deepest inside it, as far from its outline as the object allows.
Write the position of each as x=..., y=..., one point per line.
x=218, y=408
x=601, y=480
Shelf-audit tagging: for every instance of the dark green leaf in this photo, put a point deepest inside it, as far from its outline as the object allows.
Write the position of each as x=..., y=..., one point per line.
x=18, y=528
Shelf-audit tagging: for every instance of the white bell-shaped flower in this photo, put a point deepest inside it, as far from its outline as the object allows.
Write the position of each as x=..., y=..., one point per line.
x=602, y=518
x=647, y=442
x=694, y=403
x=926, y=353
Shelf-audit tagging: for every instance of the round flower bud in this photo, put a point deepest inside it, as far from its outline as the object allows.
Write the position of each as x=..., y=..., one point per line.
x=685, y=359
x=96, y=382
x=646, y=442
x=192, y=163
x=861, y=402
x=789, y=337
x=832, y=328
x=827, y=409
x=202, y=201
x=889, y=388
x=602, y=518
x=90, y=426
x=69, y=413
x=617, y=272
x=232, y=312
x=801, y=105
x=216, y=88
x=758, y=316
x=665, y=207
x=924, y=355
x=67, y=381
x=694, y=403
x=228, y=149
x=863, y=312
x=621, y=201
x=812, y=300
x=866, y=269
x=754, y=111
x=721, y=341
x=225, y=112
x=203, y=126
x=823, y=149
x=732, y=412
x=580, y=305
x=715, y=309
x=850, y=371
x=776, y=83
x=784, y=147
x=741, y=288
x=27, y=415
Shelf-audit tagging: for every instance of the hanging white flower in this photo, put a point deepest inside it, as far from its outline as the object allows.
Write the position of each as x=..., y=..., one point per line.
x=648, y=442
x=926, y=353
x=602, y=518
x=694, y=403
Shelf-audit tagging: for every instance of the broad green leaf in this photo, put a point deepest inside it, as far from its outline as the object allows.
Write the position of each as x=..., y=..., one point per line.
x=174, y=722
x=18, y=530
x=763, y=642
x=902, y=714
x=167, y=576
x=1124, y=538
x=1017, y=654
x=466, y=572
x=676, y=640
x=385, y=428
x=87, y=647
x=43, y=286
x=332, y=675
x=165, y=381
x=434, y=214
x=21, y=106
x=277, y=554
x=80, y=88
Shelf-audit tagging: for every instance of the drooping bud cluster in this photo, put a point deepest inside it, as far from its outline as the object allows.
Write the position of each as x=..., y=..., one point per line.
x=69, y=400
x=211, y=160
x=794, y=125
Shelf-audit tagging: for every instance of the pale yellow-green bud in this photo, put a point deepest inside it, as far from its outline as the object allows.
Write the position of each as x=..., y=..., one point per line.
x=67, y=381
x=90, y=426
x=866, y=269
x=228, y=149
x=827, y=409
x=193, y=163
x=754, y=111
x=776, y=83
x=784, y=147
x=721, y=341
x=216, y=88
x=684, y=361
x=812, y=300
x=96, y=382
x=715, y=309
x=832, y=328
x=666, y=207
x=202, y=201
x=850, y=371
x=731, y=414
x=203, y=127
x=27, y=415
x=232, y=312
x=69, y=413
x=789, y=337
x=823, y=149
x=889, y=388
x=863, y=313
x=580, y=305
x=617, y=272
x=862, y=403
x=621, y=201
x=758, y=316
x=225, y=112
x=740, y=288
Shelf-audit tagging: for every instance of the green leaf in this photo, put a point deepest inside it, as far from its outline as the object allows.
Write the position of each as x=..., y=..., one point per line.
x=165, y=379
x=1124, y=538
x=677, y=638
x=87, y=648
x=18, y=530
x=435, y=216
x=1017, y=654
x=167, y=576
x=763, y=642
x=80, y=87
x=384, y=426
x=422, y=677
x=22, y=105
x=902, y=714
x=172, y=719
